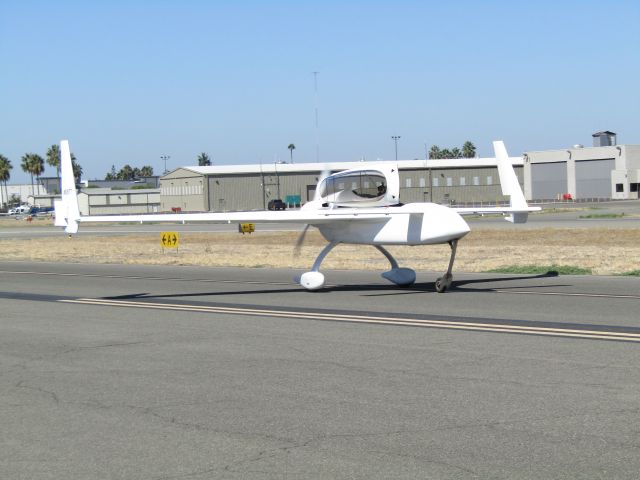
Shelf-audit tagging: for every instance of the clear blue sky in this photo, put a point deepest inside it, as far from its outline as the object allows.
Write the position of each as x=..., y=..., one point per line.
x=128, y=81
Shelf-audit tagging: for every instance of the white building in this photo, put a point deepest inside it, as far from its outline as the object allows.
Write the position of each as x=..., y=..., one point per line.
x=604, y=171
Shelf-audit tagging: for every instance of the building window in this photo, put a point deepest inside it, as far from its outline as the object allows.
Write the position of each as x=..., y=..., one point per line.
x=435, y=181
x=489, y=180
x=619, y=187
x=408, y=183
x=422, y=182
x=449, y=182
x=633, y=187
x=463, y=181
x=476, y=181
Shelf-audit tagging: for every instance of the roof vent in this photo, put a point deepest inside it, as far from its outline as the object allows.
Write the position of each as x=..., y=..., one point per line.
x=604, y=139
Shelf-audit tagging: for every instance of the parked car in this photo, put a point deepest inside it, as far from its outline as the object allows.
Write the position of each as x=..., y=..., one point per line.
x=276, y=204
x=20, y=210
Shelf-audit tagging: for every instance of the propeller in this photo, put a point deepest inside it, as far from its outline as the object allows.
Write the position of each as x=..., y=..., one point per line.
x=300, y=241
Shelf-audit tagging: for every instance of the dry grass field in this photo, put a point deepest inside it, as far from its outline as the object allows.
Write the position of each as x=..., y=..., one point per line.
x=601, y=250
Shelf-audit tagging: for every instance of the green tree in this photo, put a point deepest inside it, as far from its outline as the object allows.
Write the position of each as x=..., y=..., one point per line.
x=125, y=173
x=33, y=164
x=77, y=169
x=455, y=152
x=445, y=153
x=434, y=152
x=53, y=157
x=204, y=160
x=291, y=148
x=112, y=175
x=5, y=175
x=146, y=171
x=468, y=150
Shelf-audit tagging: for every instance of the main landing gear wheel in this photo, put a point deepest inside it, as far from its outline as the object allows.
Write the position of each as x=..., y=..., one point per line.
x=444, y=282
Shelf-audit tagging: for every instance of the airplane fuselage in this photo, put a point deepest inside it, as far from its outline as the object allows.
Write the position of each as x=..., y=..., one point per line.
x=423, y=224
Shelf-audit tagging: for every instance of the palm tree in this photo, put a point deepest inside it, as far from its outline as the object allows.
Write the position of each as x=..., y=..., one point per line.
x=146, y=171
x=5, y=175
x=204, y=160
x=77, y=169
x=434, y=152
x=126, y=173
x=53, y=159
x=445, y=153
x=33, y=164
x=291, y=148
x=455, y=152
x=468, y=150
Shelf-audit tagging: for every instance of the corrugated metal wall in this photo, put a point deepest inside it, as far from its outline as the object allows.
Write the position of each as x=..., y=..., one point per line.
x=247, y=192
x=548, y=180
x=462, y=185
x=253, y=191
x=187, y=193
x=118, y=202
x=593, y=178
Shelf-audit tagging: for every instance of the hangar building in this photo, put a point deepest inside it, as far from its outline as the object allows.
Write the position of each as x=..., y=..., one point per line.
x=604, y=171
x=251, y=187
x=104, y=201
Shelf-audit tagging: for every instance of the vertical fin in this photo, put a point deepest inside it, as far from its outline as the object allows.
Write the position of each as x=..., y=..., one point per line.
x=67, y=210
x=509, y=183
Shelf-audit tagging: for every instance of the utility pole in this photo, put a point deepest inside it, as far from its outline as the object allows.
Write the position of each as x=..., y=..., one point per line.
x=315, y=89
x=395, y=139
x=428, y=167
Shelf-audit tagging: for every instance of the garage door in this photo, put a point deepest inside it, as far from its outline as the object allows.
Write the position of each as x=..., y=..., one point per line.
x=548, y=180
x=593, y=178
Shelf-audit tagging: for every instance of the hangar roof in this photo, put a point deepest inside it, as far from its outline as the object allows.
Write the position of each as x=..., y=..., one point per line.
x=272, y=168
x=108, y=191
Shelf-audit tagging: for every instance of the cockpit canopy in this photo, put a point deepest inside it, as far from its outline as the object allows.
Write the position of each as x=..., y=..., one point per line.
x=365, y=187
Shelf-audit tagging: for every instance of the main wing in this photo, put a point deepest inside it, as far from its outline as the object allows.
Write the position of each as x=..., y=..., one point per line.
x=311, y=216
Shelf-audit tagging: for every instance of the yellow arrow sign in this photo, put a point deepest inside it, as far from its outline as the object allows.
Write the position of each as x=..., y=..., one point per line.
x=169, y=239
x=246, y=228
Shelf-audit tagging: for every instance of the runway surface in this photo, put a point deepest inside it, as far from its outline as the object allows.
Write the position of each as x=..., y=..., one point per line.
x=110, y=371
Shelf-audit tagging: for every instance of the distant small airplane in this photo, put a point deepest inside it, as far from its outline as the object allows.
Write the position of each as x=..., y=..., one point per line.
x=359, y=206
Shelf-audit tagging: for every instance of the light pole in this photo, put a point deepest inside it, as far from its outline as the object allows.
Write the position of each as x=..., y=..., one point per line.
x=165, y=158
x=275, y=167
x=395, y=139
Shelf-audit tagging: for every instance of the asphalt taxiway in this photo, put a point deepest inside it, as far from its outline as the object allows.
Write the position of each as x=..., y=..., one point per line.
x=110, y=371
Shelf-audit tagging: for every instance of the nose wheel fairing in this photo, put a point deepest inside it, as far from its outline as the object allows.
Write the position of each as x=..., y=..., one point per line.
x=402, y=276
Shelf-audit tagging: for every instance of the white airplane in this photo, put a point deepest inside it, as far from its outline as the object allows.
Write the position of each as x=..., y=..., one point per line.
x=359, y=206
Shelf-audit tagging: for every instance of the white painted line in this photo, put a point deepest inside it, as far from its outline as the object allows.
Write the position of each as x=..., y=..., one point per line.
x=487, y=327
x=568, y=294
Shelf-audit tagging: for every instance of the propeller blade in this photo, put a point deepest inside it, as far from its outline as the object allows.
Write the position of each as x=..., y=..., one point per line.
x=300, y=241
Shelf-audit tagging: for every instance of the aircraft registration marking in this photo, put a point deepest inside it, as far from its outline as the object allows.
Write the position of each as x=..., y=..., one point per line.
x=382, y=320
